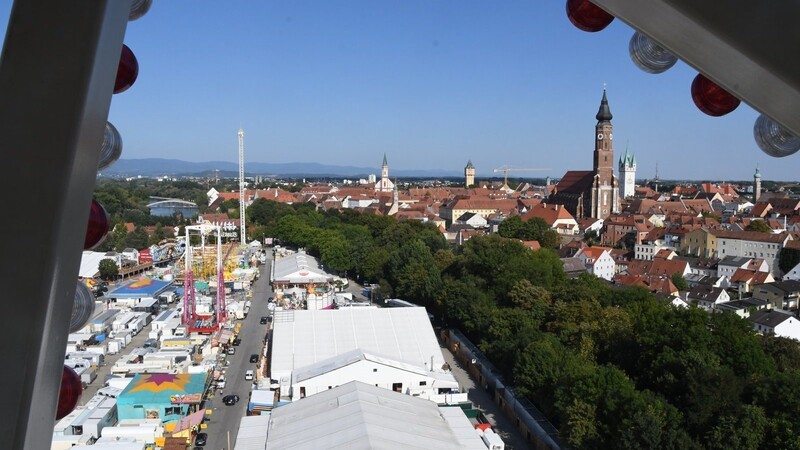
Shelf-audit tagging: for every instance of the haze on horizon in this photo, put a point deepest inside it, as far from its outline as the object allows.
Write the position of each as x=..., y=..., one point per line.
x=431, y=84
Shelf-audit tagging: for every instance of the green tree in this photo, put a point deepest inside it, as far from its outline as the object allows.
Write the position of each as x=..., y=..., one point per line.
x=758, y=225
x=118, y=236
x=136, y=239
x=679, y=281
x=108, y=269
x=789, y=258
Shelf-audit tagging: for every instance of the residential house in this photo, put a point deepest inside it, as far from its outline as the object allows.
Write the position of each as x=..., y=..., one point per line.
x=728, y=265
x=778, y=323
x=707, y=297
x=472, y=219
x=699, y=242
x=598, y=261
x=484, y=206
x=625, y=231
x=744, y=307
x=556, y=216
x=651, y=244
x=573, y=267
x=655, y=284
x=752, y=244
x=744, y=280
x=781, y=294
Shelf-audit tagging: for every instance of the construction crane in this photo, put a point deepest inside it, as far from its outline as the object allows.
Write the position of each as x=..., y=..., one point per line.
x=506, y=169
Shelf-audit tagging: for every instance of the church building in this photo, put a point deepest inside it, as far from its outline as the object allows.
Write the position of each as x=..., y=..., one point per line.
x=384, y=184
x=593, y=193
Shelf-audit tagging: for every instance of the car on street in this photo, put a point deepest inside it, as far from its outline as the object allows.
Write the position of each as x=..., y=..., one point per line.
x=237, y=341
x=230, y=399
x=248, y=375
x=231, y=350
x=264, y=319
x=201, y=439
x=253, y=358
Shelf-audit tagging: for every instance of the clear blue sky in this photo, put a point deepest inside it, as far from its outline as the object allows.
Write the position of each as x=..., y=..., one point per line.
x=432, y=83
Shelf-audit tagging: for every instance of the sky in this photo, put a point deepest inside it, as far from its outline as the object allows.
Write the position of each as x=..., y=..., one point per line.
x=430, y=83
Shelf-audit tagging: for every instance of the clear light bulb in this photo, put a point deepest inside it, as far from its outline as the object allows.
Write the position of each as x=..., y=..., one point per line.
x=82, y=308
x=139, y=8
x=773, y=139
x=112, y=147
x=648, y=55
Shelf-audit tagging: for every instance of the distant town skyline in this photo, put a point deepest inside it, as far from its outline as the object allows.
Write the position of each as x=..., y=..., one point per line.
x=431, y=84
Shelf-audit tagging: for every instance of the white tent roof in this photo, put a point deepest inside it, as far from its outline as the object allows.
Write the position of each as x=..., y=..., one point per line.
x=301, y=338
x=90, y=261
x=298, y=268
x=357, y=415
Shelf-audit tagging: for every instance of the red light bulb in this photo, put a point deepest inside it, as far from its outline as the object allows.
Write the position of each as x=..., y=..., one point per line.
x=712, y=99
x=587, y=16
x=97, y=228
x=127, y=71
x=69, y=393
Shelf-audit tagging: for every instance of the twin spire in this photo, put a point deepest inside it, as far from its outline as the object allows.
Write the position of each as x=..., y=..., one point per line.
x=629, y=159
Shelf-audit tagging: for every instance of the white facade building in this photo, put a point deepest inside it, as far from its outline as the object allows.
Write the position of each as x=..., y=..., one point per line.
x=779, y=323
x=627, y=175
x=598, y=261
x=394, y=348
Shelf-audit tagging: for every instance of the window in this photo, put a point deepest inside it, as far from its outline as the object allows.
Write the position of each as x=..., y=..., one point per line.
x=423, y=383
x=172, y=410
x=397, y=387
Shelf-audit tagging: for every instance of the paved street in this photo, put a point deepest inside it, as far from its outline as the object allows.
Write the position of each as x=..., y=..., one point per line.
x=105, y=369
x=225, y=419
x=481, y=399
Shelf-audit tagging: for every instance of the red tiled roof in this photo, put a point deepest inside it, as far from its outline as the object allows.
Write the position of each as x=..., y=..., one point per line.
x=594, y=252
x=575, y=181
x=549, y=213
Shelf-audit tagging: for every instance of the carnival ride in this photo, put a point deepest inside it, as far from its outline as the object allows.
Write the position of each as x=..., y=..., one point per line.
x=207, y=265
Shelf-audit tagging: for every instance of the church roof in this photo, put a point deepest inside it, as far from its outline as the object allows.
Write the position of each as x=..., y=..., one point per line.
x=384, y=160
x=575, y=181
x=604, y=113
x=469, y=165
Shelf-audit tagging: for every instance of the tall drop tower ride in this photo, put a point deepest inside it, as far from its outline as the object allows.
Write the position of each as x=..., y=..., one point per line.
x=241, y=187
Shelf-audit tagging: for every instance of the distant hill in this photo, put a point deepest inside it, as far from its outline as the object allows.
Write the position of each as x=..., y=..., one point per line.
x=151, y=167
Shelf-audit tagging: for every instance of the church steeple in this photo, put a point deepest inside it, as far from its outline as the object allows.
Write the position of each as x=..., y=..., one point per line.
x=604, y=113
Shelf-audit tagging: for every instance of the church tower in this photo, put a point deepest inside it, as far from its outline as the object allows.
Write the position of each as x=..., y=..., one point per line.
x=384, y=184
x=469, y=174
x=605, y=189
x=756, y=185
x=627, y=174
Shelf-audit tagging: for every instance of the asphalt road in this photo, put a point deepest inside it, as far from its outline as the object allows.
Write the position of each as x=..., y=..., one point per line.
x=223, y=423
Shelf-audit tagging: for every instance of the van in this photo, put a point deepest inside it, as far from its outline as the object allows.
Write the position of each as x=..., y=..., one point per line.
x=248, y=375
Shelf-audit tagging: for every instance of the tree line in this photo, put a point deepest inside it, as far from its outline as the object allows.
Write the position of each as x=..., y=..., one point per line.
x=611, y=367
